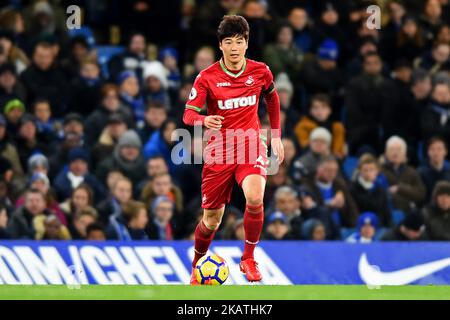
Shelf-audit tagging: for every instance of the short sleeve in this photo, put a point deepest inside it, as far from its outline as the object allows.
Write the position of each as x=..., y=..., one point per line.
x=198, y=94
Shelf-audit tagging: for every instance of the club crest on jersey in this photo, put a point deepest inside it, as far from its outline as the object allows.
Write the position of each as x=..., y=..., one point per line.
x=237, y=102
x=193, y=94
x=249, y=81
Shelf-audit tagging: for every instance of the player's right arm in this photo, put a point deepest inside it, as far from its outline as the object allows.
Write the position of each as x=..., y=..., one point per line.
x=196, y=100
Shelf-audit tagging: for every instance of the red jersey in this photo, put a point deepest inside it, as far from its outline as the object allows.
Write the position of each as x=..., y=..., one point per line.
x=235, y=96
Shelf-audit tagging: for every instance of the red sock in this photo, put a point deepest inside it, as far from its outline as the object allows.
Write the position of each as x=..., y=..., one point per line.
x=253, y=223
x=203, y=238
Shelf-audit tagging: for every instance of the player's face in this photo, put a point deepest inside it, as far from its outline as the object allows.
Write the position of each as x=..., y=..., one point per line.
x=233, y=49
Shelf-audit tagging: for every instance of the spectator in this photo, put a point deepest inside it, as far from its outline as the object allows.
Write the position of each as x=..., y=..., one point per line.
x=80, y=220
x=160, y=143
x=319, y=148
x=155, y=115
x=327, y=189
x=169, y=58
x=130, y=97
x=435, y=60
x=369, y=98
x=255, y=12
x=161, y=185
x=368, y=194
x=313, y=230
x=126, y=157
x=76, y=174
x=21, y=226
x=85, y=88
x=437, y=213
x=130, y=225
x=4, y=233
x=405, y=185
x=431, y=18
x=50, y=228
x=155, y=84
x=78, y=53
x=284, y=56
x=44, y=79
x=437, y=168
x=13, y=110
x=299, y=20
x=133, y=59
x=28, y=141
x=320, y=116
x=10, y=86
x=95, y=232
x=81, y=198
x=13, y=54
x=9, y=151
x=285, y=90
x=107, y=142
x=39, y=181
x=322, y=74
x=412, y=228
x=45, y=125
x=410, y=40
x=161, y=225
x=277, y=227
x=366, y=228
x=110, y=104
x=121, y=193
x=435, y=118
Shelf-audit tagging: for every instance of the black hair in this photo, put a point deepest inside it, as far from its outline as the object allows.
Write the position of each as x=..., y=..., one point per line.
x=232, y=26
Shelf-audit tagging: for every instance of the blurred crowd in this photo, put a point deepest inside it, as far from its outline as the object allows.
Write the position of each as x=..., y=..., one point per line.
x=86, y=118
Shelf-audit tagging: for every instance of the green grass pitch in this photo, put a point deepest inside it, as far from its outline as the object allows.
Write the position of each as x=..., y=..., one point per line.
x=257, y=292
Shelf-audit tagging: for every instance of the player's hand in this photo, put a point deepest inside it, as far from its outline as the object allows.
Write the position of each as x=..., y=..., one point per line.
x=277, y=149
x=214, y=122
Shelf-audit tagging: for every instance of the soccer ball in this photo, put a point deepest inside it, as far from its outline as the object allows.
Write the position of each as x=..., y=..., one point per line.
x=211, y=270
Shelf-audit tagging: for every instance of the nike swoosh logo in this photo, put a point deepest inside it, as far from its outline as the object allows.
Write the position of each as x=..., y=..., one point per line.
x=371, y=274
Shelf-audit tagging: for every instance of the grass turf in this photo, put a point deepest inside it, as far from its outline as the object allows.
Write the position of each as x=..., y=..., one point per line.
x=179, y=292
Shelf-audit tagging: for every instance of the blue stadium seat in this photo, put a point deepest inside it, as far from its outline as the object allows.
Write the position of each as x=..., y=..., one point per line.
x=349, y=165
x=397, y=216
x=104, y=54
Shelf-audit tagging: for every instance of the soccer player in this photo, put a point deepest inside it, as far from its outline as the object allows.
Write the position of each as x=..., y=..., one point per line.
x=231, y=88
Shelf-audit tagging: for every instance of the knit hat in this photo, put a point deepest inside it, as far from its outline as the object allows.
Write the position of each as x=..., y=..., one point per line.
x=277, y=216
x=367, y=218
x=328, y=50
x=157, y=70
x=282, y=82
x=115, y=118
x=13, y=104
x=320, y=134
x=413, y=221
x=36, y=160
x=124, y=75
x=168, y=51
x=129, y=139
x=78, y=154
x=39, y=176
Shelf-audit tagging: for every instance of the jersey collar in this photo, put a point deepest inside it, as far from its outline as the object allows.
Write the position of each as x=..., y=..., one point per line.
x=231, y=74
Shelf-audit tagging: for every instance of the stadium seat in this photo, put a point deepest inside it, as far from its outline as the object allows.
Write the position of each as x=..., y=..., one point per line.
x=104, y=54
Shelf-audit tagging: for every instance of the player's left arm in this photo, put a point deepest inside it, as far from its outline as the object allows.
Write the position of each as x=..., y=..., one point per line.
x=273, y=109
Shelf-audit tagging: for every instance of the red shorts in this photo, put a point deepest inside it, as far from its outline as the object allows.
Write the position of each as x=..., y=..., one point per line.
x=218, y=181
